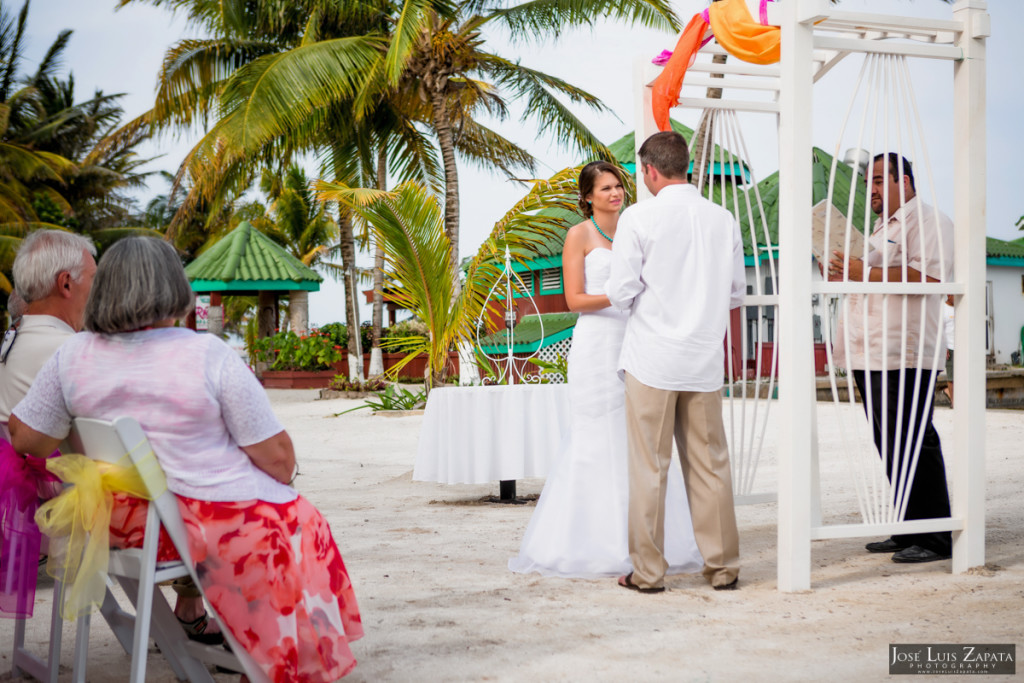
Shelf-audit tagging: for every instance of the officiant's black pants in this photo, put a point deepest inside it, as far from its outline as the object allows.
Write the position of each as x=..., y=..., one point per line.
x=928, y=495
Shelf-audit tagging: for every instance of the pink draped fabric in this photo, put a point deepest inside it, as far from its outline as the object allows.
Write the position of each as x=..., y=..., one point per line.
x=23, y=480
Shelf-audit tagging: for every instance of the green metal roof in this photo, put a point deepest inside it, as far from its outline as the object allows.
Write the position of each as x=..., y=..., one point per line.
x=821, y=167
x=246, y=260
x=1002, y=253
x=998, y=247
x=526, y=336
x=625, y=153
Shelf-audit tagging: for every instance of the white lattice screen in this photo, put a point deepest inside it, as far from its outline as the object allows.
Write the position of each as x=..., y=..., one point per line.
x=551, y=354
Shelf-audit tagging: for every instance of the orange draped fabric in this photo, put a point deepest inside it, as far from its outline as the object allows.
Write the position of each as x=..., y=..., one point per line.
x=665, y=91
x=741, y=35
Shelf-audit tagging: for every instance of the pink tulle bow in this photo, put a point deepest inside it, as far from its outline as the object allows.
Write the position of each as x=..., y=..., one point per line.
x=22, y=481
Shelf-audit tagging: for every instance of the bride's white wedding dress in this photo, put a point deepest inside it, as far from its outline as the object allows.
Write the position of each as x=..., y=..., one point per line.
x=579, y=526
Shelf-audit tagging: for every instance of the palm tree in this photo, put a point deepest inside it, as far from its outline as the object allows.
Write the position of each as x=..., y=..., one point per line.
x=440, y=70
x=22, y=164
x=196, y=77
x=300, y=224
x=409, y=225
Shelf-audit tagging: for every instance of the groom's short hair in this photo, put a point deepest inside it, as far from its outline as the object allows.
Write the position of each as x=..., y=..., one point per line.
x=667, y=152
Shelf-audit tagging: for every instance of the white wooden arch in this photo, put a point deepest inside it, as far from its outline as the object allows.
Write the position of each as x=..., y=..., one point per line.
x=819, y=33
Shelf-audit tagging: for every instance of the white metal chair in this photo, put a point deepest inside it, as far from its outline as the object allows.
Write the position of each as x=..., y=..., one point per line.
x=139, y=573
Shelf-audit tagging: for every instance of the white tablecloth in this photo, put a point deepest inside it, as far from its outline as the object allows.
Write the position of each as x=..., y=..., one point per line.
x=477, y=435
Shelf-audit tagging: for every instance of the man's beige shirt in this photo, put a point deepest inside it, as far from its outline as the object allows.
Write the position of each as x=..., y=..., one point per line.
x=888, y=339
x=39, y=336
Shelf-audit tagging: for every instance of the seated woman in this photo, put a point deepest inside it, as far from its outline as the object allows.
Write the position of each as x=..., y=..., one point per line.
x=264, y=555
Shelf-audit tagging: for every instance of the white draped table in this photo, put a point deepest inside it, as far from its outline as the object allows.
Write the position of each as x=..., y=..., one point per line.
x=476, y=435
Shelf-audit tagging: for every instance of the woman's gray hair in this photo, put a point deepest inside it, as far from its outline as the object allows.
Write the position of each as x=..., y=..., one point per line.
x=44, y=255
x=139, y=281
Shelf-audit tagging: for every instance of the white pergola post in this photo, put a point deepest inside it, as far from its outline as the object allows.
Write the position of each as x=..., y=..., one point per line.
x=795, y=325
x=643, y=116
x=968, y=461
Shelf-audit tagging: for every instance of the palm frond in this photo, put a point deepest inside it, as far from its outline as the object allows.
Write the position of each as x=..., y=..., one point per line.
x=277, y=93
x=546, y=18
x=489, y=149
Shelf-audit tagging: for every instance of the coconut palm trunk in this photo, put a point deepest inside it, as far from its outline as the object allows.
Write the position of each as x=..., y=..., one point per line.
x=376, y=356
x=446, y=141
x=703, y=144
x=348, y=259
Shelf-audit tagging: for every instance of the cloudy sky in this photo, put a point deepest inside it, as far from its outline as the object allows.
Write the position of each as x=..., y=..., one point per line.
x=120, y=52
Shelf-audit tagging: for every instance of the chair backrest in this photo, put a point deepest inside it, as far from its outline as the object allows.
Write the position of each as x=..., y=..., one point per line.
x=109, y=442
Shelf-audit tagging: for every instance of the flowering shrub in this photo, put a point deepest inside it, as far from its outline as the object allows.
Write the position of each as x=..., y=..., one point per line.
x=289, y=351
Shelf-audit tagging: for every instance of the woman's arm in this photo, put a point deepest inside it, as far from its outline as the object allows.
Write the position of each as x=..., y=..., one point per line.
x=573, y=254
x=275, y=456
x=27, y=440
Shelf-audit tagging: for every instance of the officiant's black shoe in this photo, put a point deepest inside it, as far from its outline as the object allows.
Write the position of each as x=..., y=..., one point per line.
x=889, y=545
x=733, y=585
x=627, y=582
x=916, y=553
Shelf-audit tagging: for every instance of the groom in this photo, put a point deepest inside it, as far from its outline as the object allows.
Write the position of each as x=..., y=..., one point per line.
x=677, y=266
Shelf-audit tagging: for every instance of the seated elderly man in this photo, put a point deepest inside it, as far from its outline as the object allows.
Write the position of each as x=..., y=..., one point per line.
x=53, y=274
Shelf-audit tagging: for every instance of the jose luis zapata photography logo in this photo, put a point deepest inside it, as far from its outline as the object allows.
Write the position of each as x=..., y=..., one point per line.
x=952, y=659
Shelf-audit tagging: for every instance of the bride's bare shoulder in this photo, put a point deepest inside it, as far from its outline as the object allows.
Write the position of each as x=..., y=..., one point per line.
x=578, y=234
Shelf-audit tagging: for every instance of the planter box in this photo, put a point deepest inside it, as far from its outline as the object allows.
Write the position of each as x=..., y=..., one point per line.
x=297, y=379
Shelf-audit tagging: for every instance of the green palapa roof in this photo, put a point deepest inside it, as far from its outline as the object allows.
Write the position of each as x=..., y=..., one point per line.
x=247, y=261
x=526, y=336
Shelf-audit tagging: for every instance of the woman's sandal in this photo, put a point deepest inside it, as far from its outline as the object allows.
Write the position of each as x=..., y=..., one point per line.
x=196, y=630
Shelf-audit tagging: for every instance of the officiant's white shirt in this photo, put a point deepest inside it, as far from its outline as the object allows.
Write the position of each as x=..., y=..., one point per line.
x=677, y=267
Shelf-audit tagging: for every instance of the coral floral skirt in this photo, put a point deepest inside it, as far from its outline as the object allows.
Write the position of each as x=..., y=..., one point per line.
x=273, y=573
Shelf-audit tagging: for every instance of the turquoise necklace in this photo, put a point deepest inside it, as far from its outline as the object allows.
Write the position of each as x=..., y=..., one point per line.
x=599, y=229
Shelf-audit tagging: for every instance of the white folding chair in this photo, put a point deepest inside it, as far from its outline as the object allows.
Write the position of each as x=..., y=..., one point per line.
x=47, y=669
x=139, y=573
x=24, y=661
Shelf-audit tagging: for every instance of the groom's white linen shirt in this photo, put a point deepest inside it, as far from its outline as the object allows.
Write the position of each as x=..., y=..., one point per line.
x=677, y=266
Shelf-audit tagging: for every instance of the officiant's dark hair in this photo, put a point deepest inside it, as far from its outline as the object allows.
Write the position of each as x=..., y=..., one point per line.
x=589, y=176
x=667, y=152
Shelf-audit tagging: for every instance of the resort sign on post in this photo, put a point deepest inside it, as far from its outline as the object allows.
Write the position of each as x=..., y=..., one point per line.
x=202, y=312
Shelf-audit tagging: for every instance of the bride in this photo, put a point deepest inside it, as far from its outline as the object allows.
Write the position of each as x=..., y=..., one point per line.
x=579, y=526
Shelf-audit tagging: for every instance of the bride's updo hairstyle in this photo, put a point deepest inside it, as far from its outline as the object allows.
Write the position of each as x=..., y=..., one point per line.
x=589, y=176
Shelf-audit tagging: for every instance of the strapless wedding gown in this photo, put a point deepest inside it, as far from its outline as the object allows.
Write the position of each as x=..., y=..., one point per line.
x=579, y=528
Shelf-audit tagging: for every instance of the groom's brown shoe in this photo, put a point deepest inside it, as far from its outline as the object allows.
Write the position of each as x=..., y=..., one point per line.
x=627, y=582
x=733, y=585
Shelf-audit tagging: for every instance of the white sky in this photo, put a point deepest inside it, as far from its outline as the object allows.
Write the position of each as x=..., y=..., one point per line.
x=121, y=52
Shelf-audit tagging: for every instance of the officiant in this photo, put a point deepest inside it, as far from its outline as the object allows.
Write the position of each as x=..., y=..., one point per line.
x=893, y=358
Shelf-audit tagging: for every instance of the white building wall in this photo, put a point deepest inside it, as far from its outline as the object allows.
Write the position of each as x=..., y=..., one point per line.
x=1007, y=309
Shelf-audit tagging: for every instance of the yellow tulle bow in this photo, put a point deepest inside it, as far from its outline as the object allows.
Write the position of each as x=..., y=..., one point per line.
x=78, y=524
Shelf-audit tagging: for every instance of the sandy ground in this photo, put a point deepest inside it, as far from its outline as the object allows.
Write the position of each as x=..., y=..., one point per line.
x=429, y=565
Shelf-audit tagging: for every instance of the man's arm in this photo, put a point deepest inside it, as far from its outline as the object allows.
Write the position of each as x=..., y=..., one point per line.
x=875, y=274
x=627, y=261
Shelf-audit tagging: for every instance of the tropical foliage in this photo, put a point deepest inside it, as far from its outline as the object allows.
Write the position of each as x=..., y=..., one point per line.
x=409, y=225
x=60, y=167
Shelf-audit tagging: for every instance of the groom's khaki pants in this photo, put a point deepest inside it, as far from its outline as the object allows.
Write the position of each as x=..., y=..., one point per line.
x=652, y=416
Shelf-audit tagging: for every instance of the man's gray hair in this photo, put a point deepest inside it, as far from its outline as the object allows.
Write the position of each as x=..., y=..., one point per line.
x=139, y=281
x=44, y=255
